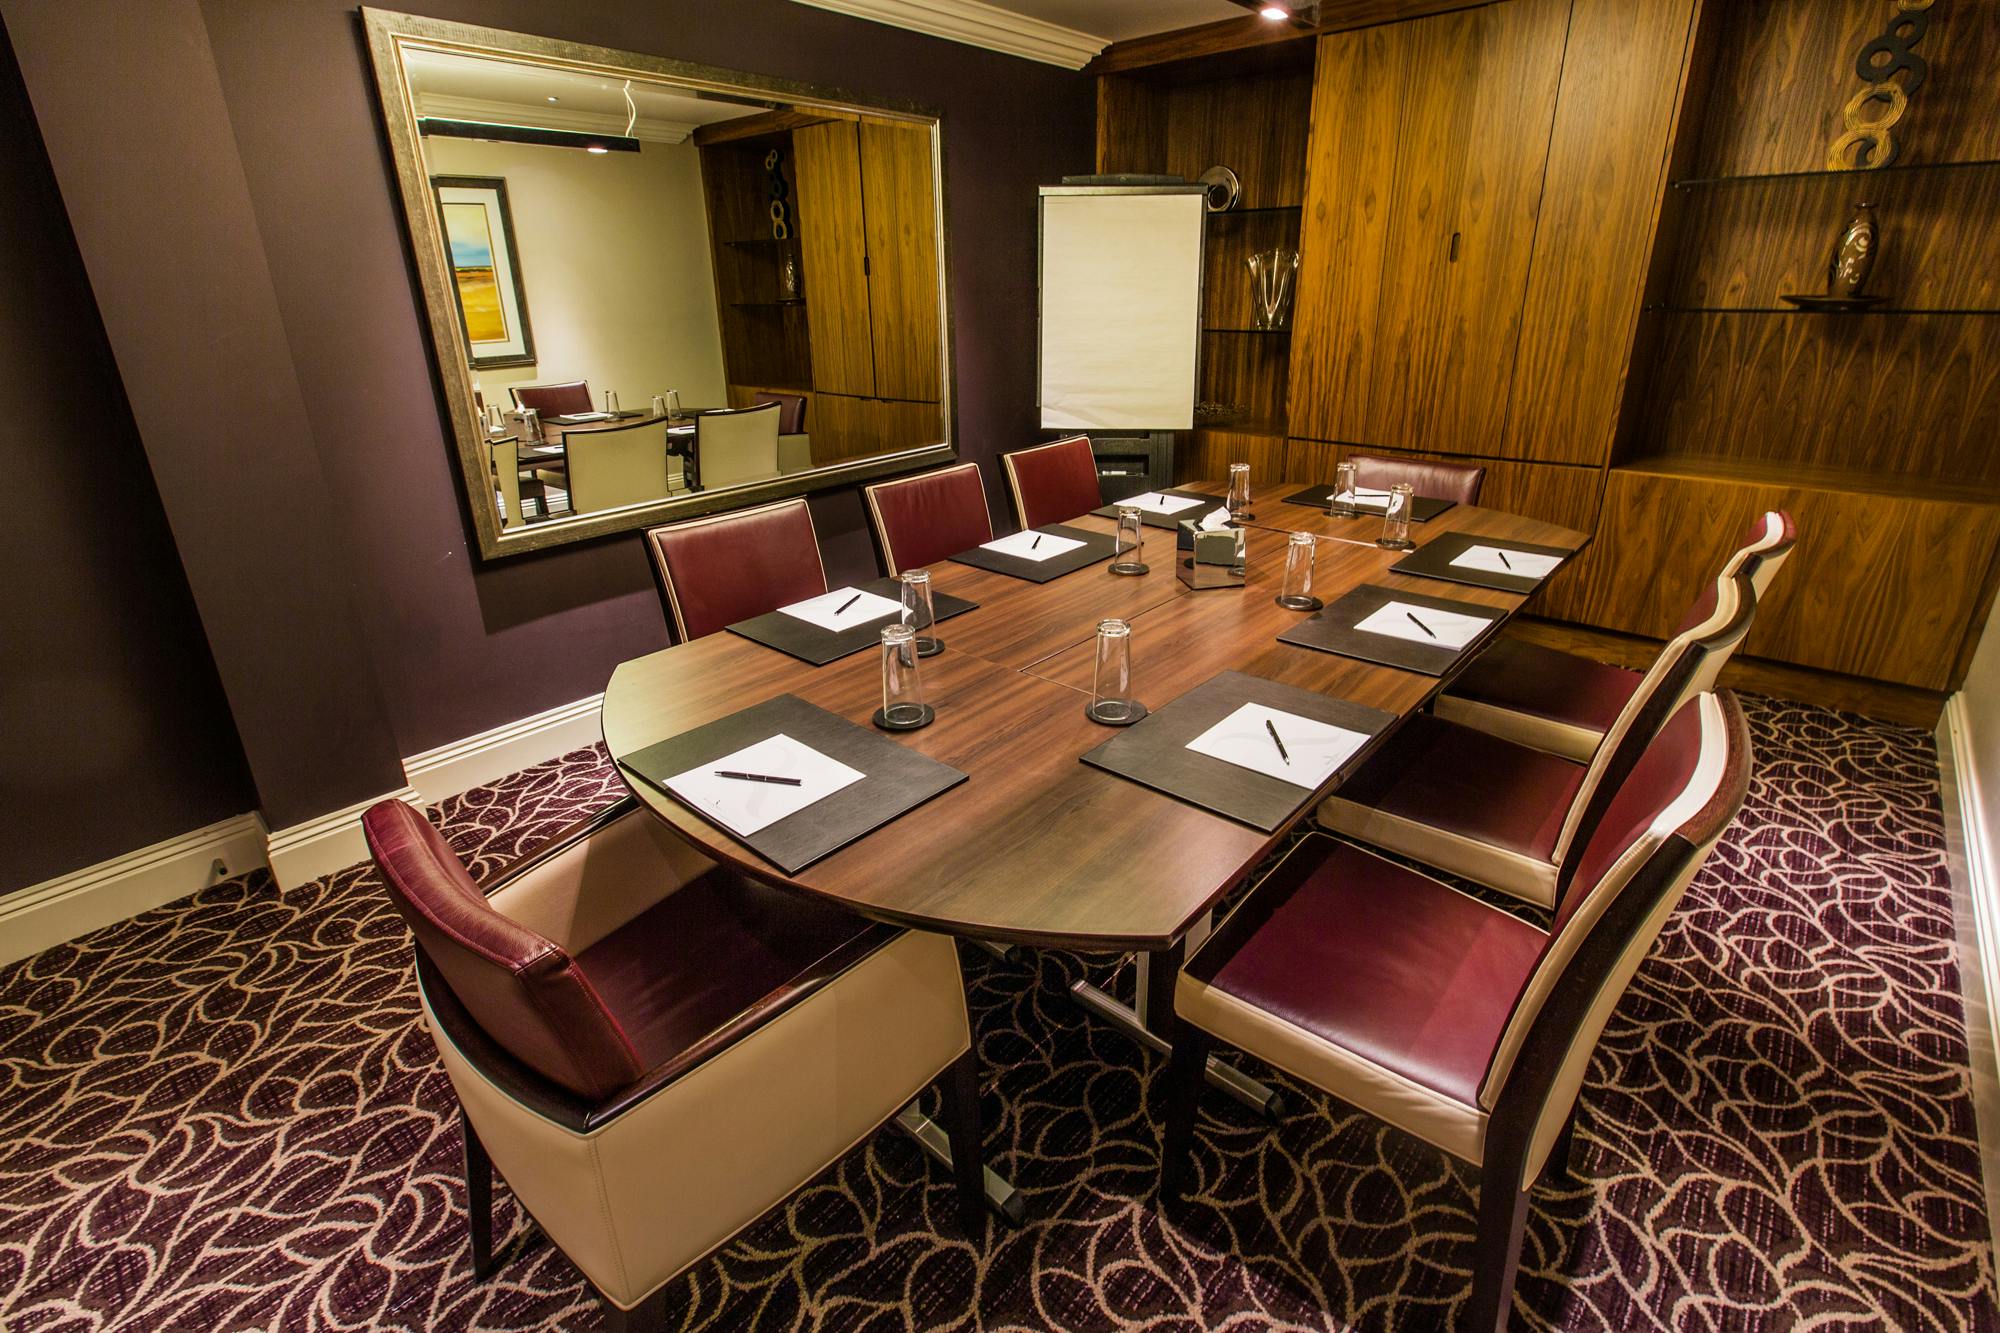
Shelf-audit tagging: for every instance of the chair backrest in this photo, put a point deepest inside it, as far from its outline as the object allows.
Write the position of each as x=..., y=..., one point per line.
x=1667, y=816
x=1052, y=483
x=795, y=453
x=553, y=400
x=507, y=480
x=737, y=446
x=718, y=570
x=1687, y=666
x=523, y=990
x=923, y=519
x=791, y=410
x=1763, y=552
x=617, y=465
x=1440, y=481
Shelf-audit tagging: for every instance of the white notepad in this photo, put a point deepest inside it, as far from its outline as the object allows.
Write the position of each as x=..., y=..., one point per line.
x=824, y=610
x=1527, y=564
x=745, y=807
x=1316, y=749
x=1363, y=498
x=1157, y=503
x=1449, y=629
x=1024, y=545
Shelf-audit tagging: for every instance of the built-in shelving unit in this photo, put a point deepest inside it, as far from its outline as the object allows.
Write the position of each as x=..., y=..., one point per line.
x=765, y=338
x=1852, y=173
x=1801, y=310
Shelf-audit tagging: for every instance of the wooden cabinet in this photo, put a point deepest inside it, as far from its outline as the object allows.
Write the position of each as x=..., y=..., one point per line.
x=834, y=249
x=843, y=426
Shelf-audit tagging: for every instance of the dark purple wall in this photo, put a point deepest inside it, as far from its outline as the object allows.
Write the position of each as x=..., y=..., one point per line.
x=113, y=728
x=457, y=646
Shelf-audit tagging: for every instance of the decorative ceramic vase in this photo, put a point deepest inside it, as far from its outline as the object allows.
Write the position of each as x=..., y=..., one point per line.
x=1271, y=273
x=1853, y=254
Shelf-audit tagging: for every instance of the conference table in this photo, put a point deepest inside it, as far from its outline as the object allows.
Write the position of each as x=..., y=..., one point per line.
x=1037, y=847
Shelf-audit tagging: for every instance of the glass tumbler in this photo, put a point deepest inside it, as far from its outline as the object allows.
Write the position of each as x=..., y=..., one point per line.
x=1131, y=542
x=531, y=426
x=496, y=420
x=1396, y=518
x=1239, y=492
x=673, y=404
x=1298, y=590
x=611, y=401
x=1111, y=701
x=1346, y=479
x=919, y=612
x=903, y=707
x=659, y=406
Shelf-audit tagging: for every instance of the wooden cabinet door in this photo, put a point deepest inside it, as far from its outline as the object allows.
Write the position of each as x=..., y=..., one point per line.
x=901, y=218
x=832, y=243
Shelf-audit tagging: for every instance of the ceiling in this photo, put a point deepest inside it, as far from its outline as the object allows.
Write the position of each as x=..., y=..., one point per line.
x=1058, y=32
x=1117, y=20
x=459, y=87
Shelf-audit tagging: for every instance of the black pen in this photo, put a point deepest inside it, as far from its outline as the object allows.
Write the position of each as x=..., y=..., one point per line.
x=1275, y=740
x=1036, y=542
x=849, y=602
x=760, y=777
x=1503, y=557
x=1420, y=624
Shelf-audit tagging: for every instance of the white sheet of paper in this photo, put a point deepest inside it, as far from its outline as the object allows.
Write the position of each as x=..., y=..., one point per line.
x=1215, y=520
x=824, y=610
x=1363, y=498
x=586, y=416
x=1527, y=564
x=1316, y=749
x=1157, y=503
x=1023, y=544
x=1451, y=629
x=744, y=807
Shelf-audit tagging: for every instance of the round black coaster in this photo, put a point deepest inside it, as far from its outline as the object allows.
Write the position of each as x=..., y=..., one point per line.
x=1299, y=603
x=1132, y=711
x=1404, y=545
x=1128, y=567
x=928, y=647
x=924, y=719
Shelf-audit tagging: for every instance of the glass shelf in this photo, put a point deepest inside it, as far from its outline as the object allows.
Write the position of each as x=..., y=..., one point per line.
x=1695, y=182
x=1795, y=310
x=758, y=305
x=1268, y=333
x=1257, y=212
x=762, y=240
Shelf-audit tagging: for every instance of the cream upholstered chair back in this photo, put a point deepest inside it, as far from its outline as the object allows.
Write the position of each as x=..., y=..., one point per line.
x=737, y=447
x=507, y=481
x=624, y=465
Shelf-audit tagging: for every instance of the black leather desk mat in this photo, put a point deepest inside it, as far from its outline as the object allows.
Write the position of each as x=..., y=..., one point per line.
x=1423, y=508
x=809, y=643
x=1209, y=503
x=1153, y=751
x=1433, y=560
x=1332, y=630
x=897, y=779
x=1096, y=546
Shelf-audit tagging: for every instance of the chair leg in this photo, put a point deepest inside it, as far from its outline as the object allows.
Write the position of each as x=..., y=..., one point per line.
x=478, y=1196
x=1503, y=1219
x=1186, y=1072
x=648, y=1316
x=960, y=1110
x=1561, y=1165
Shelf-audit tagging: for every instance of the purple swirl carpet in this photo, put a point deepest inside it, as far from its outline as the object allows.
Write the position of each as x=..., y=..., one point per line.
x=224, y=1115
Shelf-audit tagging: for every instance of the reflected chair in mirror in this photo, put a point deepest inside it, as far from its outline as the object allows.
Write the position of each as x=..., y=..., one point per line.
x=791, y=410
x=619, y=465
x=1561, y=703
x=1509, y=816
x=736, y=447
x=718, y=570
x=1053, y=483
x=923, y=519
x=1439, y=481
x=653, y=1050
x=1445, y=1016
x=542, y=478
x=553, y=400
x=507, y=482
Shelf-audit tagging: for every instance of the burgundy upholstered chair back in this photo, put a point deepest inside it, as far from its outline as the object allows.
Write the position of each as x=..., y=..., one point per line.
x=923, y=519
x=716, y=571
x=1439, y=481
x=522, y=989
x=1052, y=483
x=553, y=400
x=791, y=410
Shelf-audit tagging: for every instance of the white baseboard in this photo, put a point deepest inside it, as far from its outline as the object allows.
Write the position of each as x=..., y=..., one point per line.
x=321, y=846
x=59, y=909
x=477, y=760
x=1973, y=858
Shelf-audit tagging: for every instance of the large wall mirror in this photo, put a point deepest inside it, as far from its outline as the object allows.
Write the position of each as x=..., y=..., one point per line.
x=658, y=289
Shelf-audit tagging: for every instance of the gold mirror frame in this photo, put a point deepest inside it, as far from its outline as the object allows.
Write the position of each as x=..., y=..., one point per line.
x=390, y=34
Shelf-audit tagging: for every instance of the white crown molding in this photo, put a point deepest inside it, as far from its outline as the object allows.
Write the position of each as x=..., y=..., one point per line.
x=488, y=112
x=977, y=24
x=477, y=760
x=334, y=841
x=59, y=909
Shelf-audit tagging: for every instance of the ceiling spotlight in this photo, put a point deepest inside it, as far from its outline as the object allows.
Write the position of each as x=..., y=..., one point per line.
x=597, y=148
x=1272, y=12
x=1301, y=14
x=555, y=99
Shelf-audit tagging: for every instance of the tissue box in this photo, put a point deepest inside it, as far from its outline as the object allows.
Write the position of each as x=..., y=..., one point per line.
x=1215, y=561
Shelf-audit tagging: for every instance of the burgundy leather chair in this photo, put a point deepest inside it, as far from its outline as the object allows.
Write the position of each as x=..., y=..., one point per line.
x=923, y=519
x=553, y=400
x=653, y=1050
x=1440, y=481
x=791, y=410
x=1510, y=816
x=1053, y=483
x=1561, y=703
x=1445, y=1016
x=718, y=570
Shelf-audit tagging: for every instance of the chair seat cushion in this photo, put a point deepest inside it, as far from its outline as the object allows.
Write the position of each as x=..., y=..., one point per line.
x=1377, y=984
x=1539, y=696
x=1463, y=801
x=712, y=960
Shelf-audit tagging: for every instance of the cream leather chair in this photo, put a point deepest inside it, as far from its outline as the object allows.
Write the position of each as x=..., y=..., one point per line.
x=733, y=448
x=507, y=481
x=795, y=453
x=653, y=1050
x=617, y=466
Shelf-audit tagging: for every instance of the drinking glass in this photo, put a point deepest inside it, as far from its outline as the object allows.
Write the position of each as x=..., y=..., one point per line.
x=1346, y=478
x=1111, y=701
x=1239, y=492
x=1396, y=518
x=659, y=406
x=1131, y=542
x=673, y=404
x=496, y=420
x=903, y=706
x=1298, y=591
x=531, y=426
x=919, y=612
x=611, y=401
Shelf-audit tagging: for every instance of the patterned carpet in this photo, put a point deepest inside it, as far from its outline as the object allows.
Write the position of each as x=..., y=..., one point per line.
x=224, y=1116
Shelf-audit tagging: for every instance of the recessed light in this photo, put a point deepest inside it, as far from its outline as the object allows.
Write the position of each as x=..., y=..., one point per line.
x=1274, y=12
x=597, y=148
x=555, y=99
